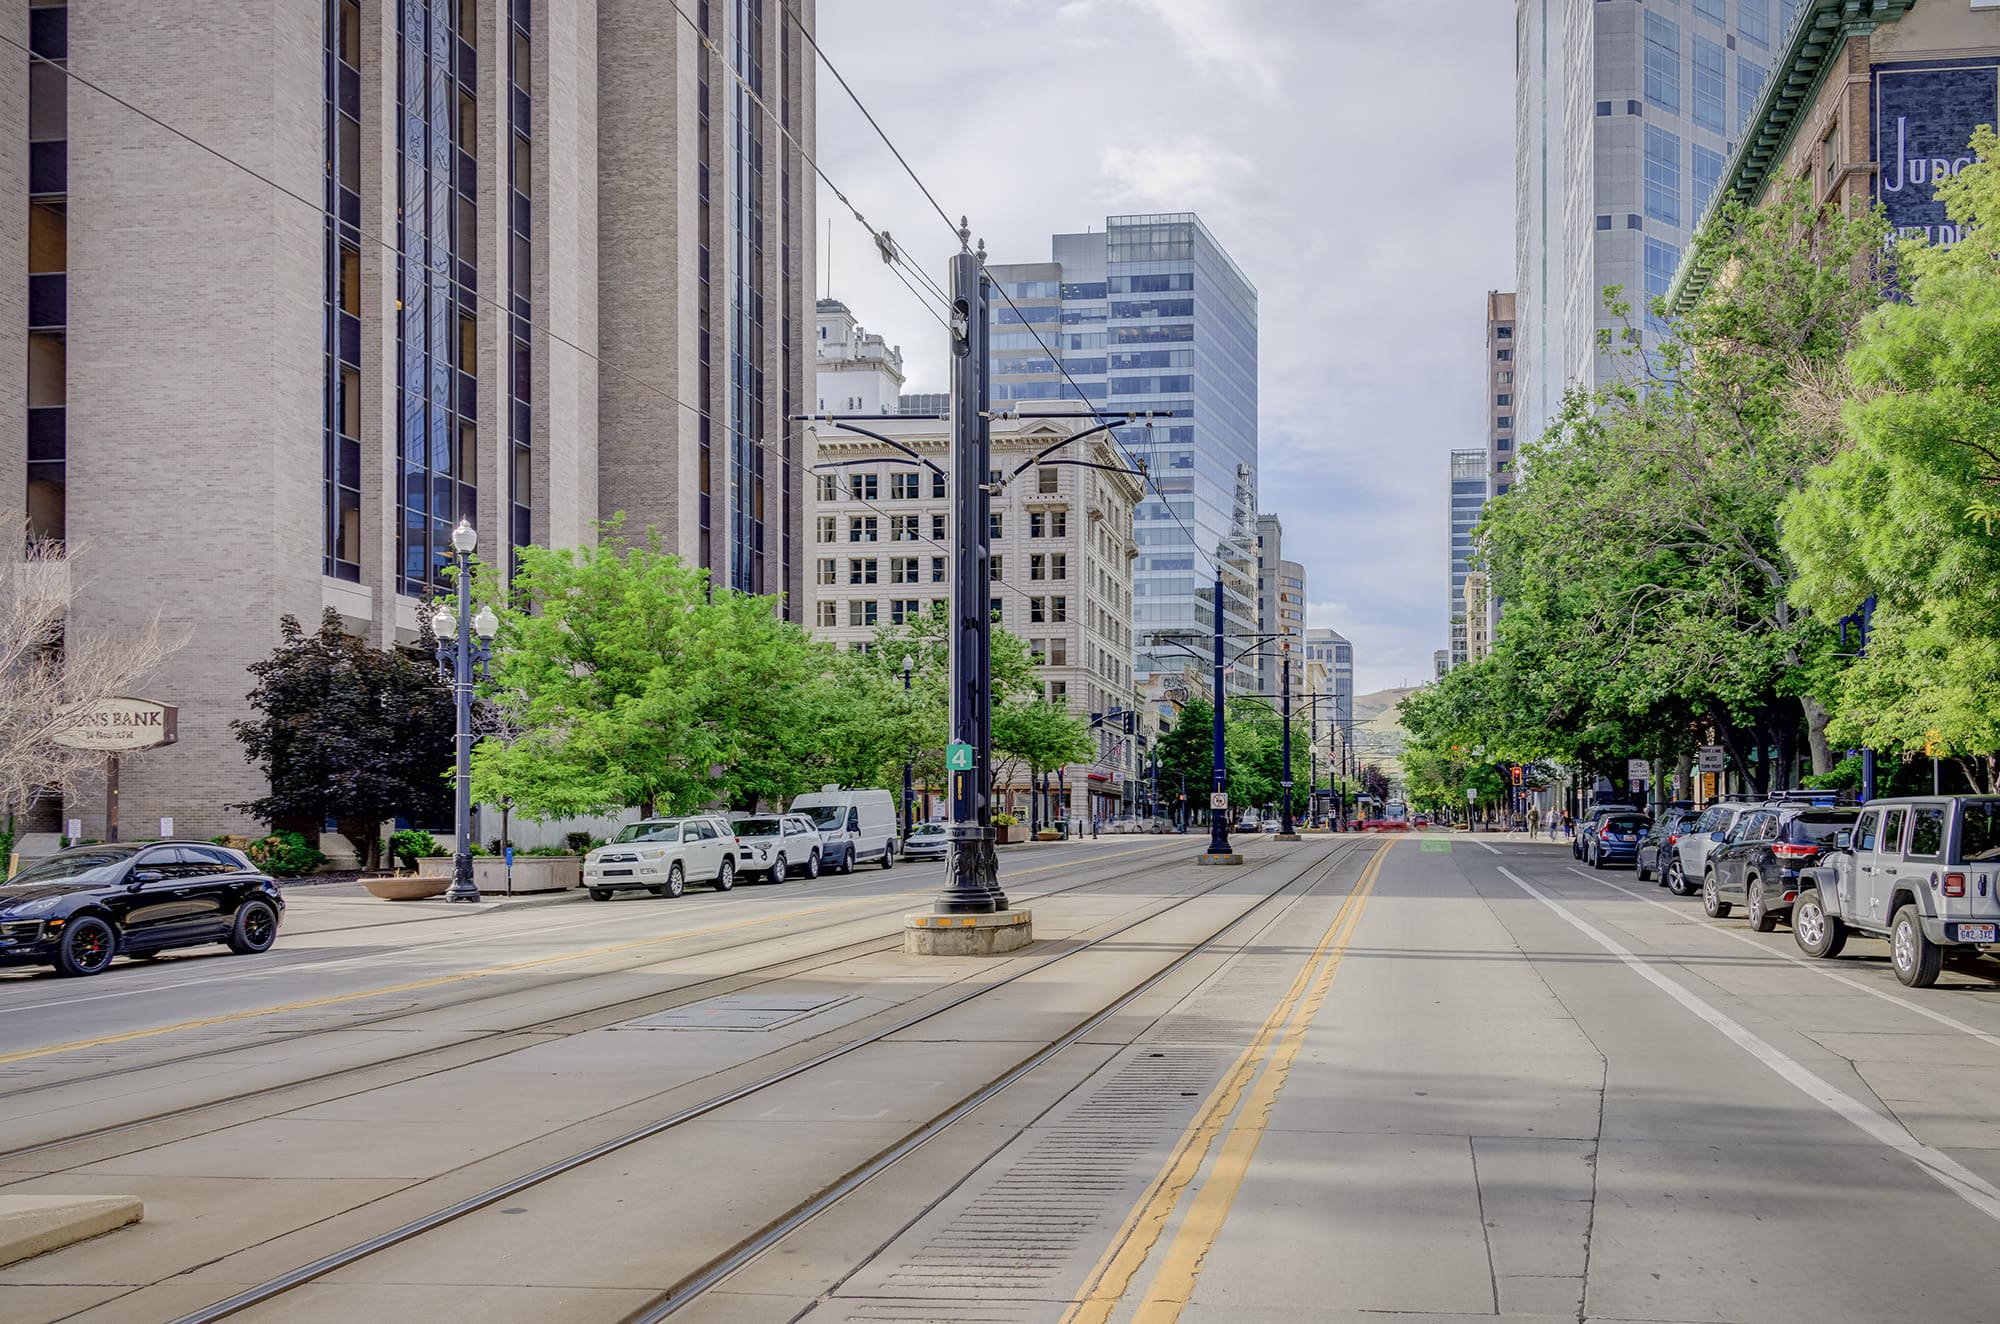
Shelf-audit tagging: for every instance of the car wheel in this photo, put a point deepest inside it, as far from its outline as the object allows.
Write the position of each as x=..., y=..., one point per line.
x=725, y=877
x=604, y=893
x=1674, y=880
x=889, y=857
x=1711, y=900
x=847, y=860
x=812, y=865
x=778, y=870
x=1597, y=859
x=676, y=880
x=1817, y=933
x=256, y=928
x=87, y=946
x=1917, y=959
x=1761, y=919
x=1645, y=875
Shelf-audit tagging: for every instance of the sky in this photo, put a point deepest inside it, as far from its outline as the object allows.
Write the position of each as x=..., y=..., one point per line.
x=1356, y=159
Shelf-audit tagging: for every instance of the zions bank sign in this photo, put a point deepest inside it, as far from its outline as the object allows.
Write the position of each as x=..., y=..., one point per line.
x=1924, y=118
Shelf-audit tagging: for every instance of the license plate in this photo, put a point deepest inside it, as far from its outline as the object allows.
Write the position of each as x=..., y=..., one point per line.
x=1978, y=933
x=1627, y=838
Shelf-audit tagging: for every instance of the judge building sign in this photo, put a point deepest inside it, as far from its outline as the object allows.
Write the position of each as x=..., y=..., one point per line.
x=1924, y=117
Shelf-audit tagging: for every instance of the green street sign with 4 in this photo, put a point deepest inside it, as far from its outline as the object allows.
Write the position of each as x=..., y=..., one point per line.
x=958, y=758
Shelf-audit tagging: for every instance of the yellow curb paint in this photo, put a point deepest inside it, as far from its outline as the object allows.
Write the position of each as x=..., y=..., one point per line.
x=104, y=1041
x=1115, y=1270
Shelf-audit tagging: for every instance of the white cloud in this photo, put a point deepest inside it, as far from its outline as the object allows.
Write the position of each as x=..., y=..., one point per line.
x=1189, y=174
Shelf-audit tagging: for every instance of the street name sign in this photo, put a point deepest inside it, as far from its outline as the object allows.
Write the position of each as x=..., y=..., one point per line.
x=958, y=757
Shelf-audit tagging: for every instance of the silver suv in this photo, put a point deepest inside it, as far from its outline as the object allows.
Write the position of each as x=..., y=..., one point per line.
x=1921, y=871
x=1690, y=854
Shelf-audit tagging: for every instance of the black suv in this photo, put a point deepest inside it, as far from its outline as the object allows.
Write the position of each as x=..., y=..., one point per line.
x=1759, y=862
x=80, y=907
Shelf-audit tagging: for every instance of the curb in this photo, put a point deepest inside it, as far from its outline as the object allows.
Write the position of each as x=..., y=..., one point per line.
x=36, y=1224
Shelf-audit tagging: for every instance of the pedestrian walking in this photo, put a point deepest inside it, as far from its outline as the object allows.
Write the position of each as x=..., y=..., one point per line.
x=1534, y=819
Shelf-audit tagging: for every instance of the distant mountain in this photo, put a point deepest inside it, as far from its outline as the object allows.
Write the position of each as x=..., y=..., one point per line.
x=1378, y=730
x=1368, y=707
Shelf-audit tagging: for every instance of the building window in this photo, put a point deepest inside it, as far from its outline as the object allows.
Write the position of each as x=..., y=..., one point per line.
x=937, y=528
x=1059, y=524
x=905, y=487
x=865, y=487
x=1504, y=421
x=1058, y=609
x=1829, y=150
x=1046, y=480
x=996, y=525
x=1037, y=524
x=829, y=614
x=1707, y=174
x=861, y=570
x=993, y=567
x=862, y=528
x=1038, y=611
x=1505, y=333
x=1604, y=222
x=903, y=570
x=1503, y=399
x=1507, y=355
x=1663, y=175
x=1059, y=651
x=1058, y=565
x=1663, y=63
x=1753, y=20
x=827, y=529
x=1603, y=108
x=1661, y=260
x=937, y=570
x=905, y=528
x=1749, y=86
x=1711, y=85
x=862, y=611
x=937, y=486
x=827, y=574
x=829, y=489
x=1712, y=10
x=1038, y=567
x=1059, y=691
x=994, y=608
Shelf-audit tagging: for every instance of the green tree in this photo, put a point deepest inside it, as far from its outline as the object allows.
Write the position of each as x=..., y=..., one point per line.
x=348, y=732
x=1042, y=735
x=1187, y=755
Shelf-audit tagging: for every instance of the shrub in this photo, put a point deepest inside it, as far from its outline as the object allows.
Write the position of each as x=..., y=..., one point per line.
x=579, y=843
x=410, y=844
x=1005, y=819
x=285, y=855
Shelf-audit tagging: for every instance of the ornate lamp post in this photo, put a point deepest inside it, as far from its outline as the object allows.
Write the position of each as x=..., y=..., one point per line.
x=461, y=659
x=908, y=763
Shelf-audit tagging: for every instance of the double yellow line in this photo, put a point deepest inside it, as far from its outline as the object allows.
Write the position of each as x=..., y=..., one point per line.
x=513, y=967
x=1237, y=1111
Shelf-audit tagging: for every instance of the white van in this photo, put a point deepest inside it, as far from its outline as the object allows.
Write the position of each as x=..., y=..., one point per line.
x=854, y=825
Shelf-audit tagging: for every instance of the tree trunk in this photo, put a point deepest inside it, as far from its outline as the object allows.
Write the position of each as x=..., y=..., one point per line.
x=1786, y=741
x=1684, y=778
x=1816, y=719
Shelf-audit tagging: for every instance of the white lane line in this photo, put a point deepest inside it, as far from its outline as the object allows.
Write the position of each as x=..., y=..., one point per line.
x=1949, y=1173
x=1816, y=967
x=1483, y=846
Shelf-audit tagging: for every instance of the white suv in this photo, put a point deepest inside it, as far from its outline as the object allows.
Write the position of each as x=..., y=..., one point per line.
x=1690, y=857
x=663, y=855
x=776, y=846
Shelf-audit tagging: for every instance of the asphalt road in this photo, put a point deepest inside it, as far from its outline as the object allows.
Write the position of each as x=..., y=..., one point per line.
x=1430, y=1078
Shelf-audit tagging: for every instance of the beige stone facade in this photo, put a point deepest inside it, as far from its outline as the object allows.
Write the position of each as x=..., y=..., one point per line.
x=201, y=296
x=1062, y=566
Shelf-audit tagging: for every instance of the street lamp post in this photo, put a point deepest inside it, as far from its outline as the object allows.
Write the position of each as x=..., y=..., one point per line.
x=908, y=763
x=460, y=659
x=1287, y=830
x=1218, y=827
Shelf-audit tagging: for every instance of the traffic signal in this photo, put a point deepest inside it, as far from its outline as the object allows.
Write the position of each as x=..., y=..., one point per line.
x=1516, y=771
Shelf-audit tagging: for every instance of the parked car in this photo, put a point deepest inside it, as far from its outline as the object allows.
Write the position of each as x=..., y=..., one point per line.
x=1690, y=855
x=1921, y=871
x=854, y=824
x=927, y=841
x=1587, y=826
x=1760, y=861
x=1614, y=838
x=80, y=907
x=662, y=856
x=1658, y=845
x=1249, y=823
x=776, y=846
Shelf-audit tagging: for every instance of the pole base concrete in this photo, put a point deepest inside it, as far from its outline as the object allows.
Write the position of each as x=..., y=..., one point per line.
x=1287, y=836
x=926, y=933
x=34, y=1224
x=1220, y=859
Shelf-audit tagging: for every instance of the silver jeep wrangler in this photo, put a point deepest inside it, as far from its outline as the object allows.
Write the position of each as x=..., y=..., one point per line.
x=1922, y=871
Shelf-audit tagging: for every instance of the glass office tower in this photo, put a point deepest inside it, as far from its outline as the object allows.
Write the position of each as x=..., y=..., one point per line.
x=1151, y=316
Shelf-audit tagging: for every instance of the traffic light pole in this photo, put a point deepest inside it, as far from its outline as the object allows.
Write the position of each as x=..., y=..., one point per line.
x=972, y=882
x=1287, y=830
x=1218, y=818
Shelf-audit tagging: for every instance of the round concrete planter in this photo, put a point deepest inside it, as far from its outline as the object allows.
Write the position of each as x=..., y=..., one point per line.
x=415, y=888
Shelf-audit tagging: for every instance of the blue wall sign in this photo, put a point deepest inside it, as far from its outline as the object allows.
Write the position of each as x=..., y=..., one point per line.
x=1924, y=118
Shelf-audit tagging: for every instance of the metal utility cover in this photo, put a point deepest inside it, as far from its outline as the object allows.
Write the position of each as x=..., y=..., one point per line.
x=744, y=1013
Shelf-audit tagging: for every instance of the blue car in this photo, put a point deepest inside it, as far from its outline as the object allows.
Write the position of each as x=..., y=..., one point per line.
x=1614, y=839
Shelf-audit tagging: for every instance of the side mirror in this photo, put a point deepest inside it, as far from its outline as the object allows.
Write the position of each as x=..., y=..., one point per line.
x=1843, y=839
x=147, y=876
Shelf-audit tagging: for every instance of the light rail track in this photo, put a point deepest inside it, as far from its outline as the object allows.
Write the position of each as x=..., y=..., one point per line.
x=690, y=1286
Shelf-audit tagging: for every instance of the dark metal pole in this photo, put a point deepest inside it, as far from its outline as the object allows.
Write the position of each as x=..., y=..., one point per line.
x=1218, y=827
x=972, y=879
x=1286, y=828
x=908, y=763
x=462, y=887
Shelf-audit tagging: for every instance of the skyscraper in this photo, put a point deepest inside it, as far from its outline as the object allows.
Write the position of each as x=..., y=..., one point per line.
x=552, y=263
x=1502, y=397
x=1468, y=498
x=1281, y=605
x=1151, y=315
x=1624, y=115
x=1333, y=722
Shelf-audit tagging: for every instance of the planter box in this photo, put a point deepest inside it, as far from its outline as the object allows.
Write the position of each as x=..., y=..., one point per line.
x=532, y=873
x=417, y=888
x=435, y=866
x=1007, y=835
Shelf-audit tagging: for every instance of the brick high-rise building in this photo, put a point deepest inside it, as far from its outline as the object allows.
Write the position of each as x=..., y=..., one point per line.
x=520, y=263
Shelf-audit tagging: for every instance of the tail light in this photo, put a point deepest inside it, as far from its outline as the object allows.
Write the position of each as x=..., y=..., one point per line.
x=1673, y=837
x=1786, y=850
x=1954, y=884
x=1604, y=833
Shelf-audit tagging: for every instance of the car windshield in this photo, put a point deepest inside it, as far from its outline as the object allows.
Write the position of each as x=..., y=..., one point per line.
x=1821, y=828
x=928, y=830
x=1627, y=824
x=756, y=827
x=1979, y=833
x=82, y=866
x=827, y=816
x=647, y=831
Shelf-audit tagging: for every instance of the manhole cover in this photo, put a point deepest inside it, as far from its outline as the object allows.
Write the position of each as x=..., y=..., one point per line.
x=741, y=1012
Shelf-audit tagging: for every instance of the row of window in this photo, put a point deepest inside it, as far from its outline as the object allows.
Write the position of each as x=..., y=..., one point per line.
x=47, y=495
x=909, y=528
x=1663, y=179
x=1708, y=65
x=910, y=569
